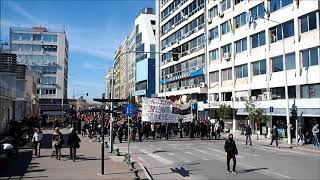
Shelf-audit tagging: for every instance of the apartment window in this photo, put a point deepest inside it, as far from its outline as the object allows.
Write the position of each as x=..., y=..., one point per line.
x=237, y=2
x=36, y=48
x=290, y=61
x=310, y=57
x=50, y=37
x=225, y=4
x=227, y=74
x=26, y=47
x=241, y=45
x=225, y=27
x=15, y=47
x=257, y=11
x=292, y=92
x=258, y=39
x=277, y=64
x=278, y=4
x=308, y=22
x=226, y=48
x=214, y=33
x=278, y=92
x=153, y=22
x=241, y=71
x=259, y=67
x=15, y=36
x=213, y=12
x=214, y=77
x=276, y=32
x=38, y=91
x=213, y=54
x=26, y=36
x=50, y=48
x=240, y=20
x=310, y=91
x=36, y=37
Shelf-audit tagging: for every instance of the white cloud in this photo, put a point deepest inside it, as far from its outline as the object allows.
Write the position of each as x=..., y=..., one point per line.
x=18, y=9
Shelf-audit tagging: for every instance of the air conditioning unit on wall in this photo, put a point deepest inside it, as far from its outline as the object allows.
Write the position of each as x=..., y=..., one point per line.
x=226, y=56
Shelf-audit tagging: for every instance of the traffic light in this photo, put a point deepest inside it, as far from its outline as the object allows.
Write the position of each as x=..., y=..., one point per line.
x=175, y=55
x=87, y=94
x=294, y=112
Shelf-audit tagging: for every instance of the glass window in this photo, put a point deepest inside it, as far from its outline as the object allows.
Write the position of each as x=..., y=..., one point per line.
x=214, y=77
x=310, y=57
x=26, y=36
x=277, y=4
x=15, y=36
x=240, y=20
x=258, y=39
x=237, y=1
x=26, y=47
x=277, y=64
x=308, y=22
x=241, y=45
x=290, y=61
x=310, y=91
x=225, y=27
x=257, y=11
x=50, y=37
x=225, y=4
x=213, y=12
x=226, y=48
x=227, y=74
x=37, y=37
x=214, y=33
x=214, y=54
x=259, y=67
x=36, y=48
x=241, y=71
x=15, y=47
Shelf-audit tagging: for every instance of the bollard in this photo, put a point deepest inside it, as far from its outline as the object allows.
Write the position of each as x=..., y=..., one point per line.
x=116, y=151
x=136, y=174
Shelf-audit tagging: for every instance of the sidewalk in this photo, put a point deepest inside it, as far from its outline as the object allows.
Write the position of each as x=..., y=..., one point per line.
x=87, y=166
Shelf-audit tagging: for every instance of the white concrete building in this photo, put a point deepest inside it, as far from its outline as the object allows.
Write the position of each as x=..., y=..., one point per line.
x=244, y=47
x=45, y=51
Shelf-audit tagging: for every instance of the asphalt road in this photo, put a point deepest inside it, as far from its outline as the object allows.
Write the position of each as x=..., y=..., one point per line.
x=206, y=159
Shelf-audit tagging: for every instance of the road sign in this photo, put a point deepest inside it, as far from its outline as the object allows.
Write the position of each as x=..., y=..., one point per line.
x=130, y=109
x=271, y=109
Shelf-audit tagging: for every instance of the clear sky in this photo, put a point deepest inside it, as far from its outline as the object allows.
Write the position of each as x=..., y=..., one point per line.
x=95, y=28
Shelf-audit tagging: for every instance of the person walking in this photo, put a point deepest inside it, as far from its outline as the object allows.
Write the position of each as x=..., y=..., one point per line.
x=36, y=139
x=120, y=132
x=153, y=132
x=217, y=130
x=57, y=141
x=315, y=133
x=275, y=135
x=301, y=135
x=231, y=151
x=74, y=143
x=248, y=133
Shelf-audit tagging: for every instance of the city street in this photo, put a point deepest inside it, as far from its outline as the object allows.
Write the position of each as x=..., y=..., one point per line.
x=206, y=159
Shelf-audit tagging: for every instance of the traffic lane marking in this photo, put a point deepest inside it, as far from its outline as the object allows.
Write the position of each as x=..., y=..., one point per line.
x=157, y=157
x=193, y=154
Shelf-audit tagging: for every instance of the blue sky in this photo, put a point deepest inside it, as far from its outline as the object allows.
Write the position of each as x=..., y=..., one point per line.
x=95, y=28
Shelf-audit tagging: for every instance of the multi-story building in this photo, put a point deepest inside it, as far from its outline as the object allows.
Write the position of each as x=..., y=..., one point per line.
x=134, y=64
x=253, y=49
x=108, y=83
x=181, y=26
x=45, y=51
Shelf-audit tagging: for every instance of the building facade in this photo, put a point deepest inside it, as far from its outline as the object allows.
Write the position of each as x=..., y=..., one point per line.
x=44, y=51
x=252, y=49
x=134, y=70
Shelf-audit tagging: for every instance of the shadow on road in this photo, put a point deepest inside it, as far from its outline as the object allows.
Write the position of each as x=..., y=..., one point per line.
x=182, y=171
x=18, y=166
x=250, y=170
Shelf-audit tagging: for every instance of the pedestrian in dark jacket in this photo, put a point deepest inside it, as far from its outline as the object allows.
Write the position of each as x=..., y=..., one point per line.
x=275, y=135
x=231, y=151
x=248, y=133
x=74, y=143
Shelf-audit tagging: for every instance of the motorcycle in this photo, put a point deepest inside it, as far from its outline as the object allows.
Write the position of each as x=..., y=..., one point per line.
x=9, y=146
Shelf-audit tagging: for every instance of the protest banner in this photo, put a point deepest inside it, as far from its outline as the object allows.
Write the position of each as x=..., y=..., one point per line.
x=158, y=110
